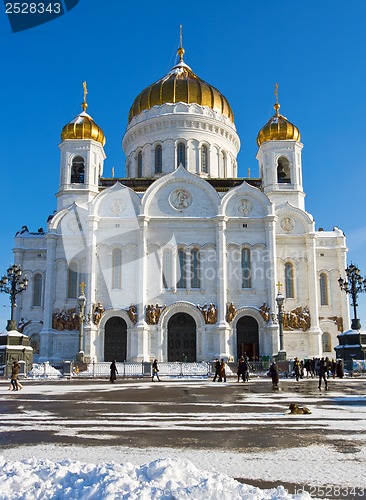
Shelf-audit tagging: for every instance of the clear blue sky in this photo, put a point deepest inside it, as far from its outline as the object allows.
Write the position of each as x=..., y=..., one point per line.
x=315, y=50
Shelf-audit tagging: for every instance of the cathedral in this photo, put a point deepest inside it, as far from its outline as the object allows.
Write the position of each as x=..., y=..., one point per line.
x=181, y=260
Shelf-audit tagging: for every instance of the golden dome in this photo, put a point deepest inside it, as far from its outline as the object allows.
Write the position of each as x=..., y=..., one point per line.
x=181, y=85
x=278, y=128
x=83, y=126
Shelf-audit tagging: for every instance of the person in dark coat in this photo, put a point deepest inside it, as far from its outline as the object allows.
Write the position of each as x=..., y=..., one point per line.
x=340, y=368
x=217, y=369
x=297, y=368
x=323, y=369
x=275, y=374
x=155, y=370
x=114, y=371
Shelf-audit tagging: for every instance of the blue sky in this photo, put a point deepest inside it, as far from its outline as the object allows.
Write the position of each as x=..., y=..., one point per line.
x=316, y=51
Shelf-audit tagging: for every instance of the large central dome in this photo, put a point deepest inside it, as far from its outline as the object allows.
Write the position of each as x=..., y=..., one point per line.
x=181, y=85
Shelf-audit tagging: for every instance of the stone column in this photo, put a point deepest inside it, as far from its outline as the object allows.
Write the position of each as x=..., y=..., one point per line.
x=223, y=329
x=49, y=297
x=314, y=331
x=142, y=329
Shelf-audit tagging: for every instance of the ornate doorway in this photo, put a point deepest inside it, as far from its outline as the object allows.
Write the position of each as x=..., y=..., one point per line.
x=182, y=338
x=247, y=337
x=115, y=339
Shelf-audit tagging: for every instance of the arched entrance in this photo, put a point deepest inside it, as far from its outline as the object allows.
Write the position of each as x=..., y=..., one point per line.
x=115, y=339
x=181, y=338
x=247, y=337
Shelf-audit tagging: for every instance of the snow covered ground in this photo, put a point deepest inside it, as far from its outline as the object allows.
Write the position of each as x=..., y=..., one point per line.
x=118, y=472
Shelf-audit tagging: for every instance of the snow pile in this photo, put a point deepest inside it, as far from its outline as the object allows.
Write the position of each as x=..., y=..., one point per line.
x=163, y=478
x=44, y=370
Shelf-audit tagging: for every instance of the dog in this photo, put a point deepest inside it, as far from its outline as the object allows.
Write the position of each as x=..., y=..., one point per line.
x=298, y=410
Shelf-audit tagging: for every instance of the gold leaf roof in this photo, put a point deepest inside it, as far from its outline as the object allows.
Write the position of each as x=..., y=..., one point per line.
x=278, y=128
x=83, y=126
x=181, y=85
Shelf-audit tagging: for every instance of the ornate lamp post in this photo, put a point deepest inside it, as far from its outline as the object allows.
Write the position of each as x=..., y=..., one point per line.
x=13, y=283
x=280, y=300
x=353, y=285
x=82, y=304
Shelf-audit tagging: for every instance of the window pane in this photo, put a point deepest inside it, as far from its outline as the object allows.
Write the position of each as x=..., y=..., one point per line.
x=195, y=269
x=323, y=290
x=167, y=269
x=72, y=282
x=246, y=270
x=289, y=281
x=158, y=160
x=139, y=164
x=204, y=163
x=37, y=290
x=77, y=170
x=181, y=155
x=116, y=268
x=182, y=281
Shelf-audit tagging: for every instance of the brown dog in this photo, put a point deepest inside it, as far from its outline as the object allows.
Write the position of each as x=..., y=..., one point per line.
x=298, y=410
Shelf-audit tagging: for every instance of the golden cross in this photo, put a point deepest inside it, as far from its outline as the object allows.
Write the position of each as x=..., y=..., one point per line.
x=278, y=285
x=82, y=286
x=85, y=105
x=276, y=92
x=180, y=36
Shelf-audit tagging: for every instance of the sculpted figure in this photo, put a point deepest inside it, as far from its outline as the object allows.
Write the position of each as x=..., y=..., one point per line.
x=230, y=312
x=132, y=313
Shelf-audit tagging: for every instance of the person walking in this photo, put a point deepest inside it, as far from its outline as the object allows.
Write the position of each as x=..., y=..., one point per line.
x=155, y=370
x=323, y=374
x=217, y=369
x=222, y=371
x=15, y=367
x=297, y=368
x=114, y=372
x=275, y=375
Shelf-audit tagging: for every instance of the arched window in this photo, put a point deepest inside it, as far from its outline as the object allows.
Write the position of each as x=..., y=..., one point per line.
x=181, y=154
x=195, y=269
x=37, y=289
x=116, y=268
x=327, y=342
x=246, y=268
x=223, y=164
x=283, y=170
x=78, y=170
x=323, y=281
x=139, y=164
x=35, y=342
x=204, y=160
x=72, y=284
x=158, y=159
x=167, y=270
x=289, y=280
x=182, y=270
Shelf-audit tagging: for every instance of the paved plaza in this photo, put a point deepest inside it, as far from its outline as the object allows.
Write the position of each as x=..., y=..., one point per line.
x=190, y=415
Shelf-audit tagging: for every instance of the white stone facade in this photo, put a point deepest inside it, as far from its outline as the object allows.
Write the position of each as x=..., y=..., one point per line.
x=178, y=239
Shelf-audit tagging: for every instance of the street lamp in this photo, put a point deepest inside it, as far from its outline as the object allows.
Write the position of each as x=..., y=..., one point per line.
x=280, y=300
x=13, y=283
x=353, y=285
x=82, y=304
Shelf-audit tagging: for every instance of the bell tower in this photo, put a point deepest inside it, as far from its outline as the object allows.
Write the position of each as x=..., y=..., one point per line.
x=82, y=159
x=279, y=157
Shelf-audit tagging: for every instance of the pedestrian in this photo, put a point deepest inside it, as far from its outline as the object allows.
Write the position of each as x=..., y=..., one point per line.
x=155, y=370
x=217, y=369
x=240, y=368
x=275, y=374
x=333, y=367
x=15, y=367
x=297, y=368
x=114, y=372
x=340, y=368
x=323, y=374
x=222, y=371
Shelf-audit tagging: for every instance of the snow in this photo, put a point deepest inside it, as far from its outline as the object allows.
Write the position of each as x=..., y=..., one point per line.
x=118, y=472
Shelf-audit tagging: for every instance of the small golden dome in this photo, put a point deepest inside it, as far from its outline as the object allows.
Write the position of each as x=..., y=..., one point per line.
x=278, y=128
x=83, y=126
x=181, y=85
